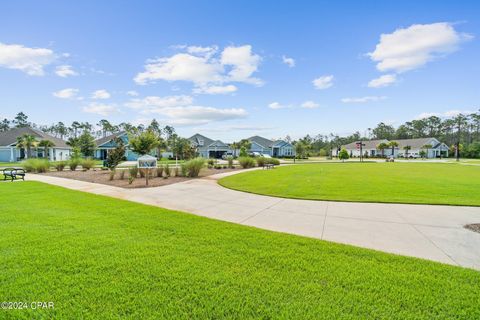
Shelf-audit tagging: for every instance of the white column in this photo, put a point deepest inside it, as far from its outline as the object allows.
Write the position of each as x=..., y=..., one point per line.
x=12, y=155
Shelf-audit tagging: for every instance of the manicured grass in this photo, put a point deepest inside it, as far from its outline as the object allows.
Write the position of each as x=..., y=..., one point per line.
x=10, y=164
x=428, y=183
x=102, y=258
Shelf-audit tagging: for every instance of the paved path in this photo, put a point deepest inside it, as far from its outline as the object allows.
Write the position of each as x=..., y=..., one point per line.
x=429, y=232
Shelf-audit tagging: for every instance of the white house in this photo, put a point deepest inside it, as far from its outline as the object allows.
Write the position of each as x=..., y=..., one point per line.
x=9, y=152
x=411, y=148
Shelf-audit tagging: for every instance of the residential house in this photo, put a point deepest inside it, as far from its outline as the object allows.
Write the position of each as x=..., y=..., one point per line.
x=9, y=152
x=105, y=144
x=369, y=147
x=208, y=148
x=273, y=148
x=437, y=150
x=416, y=146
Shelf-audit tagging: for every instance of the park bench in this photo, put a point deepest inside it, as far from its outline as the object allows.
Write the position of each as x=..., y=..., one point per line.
x=13, y=174
x=268, y=166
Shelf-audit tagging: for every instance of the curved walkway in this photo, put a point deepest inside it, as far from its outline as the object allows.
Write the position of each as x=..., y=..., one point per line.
x=424, y=231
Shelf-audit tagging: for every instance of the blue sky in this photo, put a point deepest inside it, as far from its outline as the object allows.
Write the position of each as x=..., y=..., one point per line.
x=231, y=69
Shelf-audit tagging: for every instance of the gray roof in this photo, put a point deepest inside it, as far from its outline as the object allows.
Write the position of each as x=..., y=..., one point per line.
x=368, y=144
x=264, y=142
x=417, y=143
x=197, y=140
x=413, y=143
x=9, y=137
x=106, y=139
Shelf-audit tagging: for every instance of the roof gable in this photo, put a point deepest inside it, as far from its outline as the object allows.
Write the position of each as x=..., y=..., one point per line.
x=9, y=138
x=263, y=142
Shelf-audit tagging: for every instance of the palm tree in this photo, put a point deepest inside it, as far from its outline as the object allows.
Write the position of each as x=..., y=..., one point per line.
x=382, y=146
x=46, y=144
x=235, y=146
x=406, y=148
x=427, y=147
x=393, y=145
x=27, y=142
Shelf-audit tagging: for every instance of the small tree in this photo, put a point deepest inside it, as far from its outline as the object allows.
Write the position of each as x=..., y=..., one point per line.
x=343, y=155
x=144, y=142
x=116, y=155
x=393, y=145
x=46, y=144
x=86, y=144
x=426, y=147
x=243, y=151
x=27, y=142
x=300, y=149
x=407, y=149
x=382, y=146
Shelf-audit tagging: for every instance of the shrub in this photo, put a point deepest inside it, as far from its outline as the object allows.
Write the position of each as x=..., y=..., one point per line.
x=183, y=170
x=246, y=162
x=36, y=165
x=273, y=161
x=261, y=161
x=73, y=163
x=211, y=162
x=192, y=167
x=176, y=170
x=230, y=161
x=87, y=164
x=217, y=166
x=60, y=165
x=130, y=179
x=167, y=170
x=160, y=171
x=122, y=174
x=133, y=172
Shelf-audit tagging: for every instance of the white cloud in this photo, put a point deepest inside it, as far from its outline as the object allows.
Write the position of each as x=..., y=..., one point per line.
x=410, y=48
x=100, y=108
x=204, y=66
x=323, y=82
x=306, y=105
x=101, y=94
x=190, y=115
x=216, y=89
x=68, y=93
x=243, y=64
x=310, y=105
x=446, y=114
x=65, y=71
x=29, y=60
x=160, y=102
x=288, y=61
x=277, y=105
x=132, y=93
x=382, y=81
x=181, y=111
x=363, y=99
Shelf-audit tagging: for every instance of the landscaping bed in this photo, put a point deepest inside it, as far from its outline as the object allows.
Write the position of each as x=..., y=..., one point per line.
x=103, y=177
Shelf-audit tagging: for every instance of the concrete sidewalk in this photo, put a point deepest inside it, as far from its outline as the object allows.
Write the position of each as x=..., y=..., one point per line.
x=424, y=231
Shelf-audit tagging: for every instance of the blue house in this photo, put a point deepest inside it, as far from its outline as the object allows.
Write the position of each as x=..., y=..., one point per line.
x=105, y=144
x=208, y=148
x=273, y=148
x=9, y=152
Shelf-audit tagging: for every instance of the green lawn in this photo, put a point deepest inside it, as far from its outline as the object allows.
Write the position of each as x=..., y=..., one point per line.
x=10, y=164
x=433, y=183
x=102, y=258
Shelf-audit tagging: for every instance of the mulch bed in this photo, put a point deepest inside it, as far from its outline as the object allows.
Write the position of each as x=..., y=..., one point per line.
x=474, y=227
x=103, y=177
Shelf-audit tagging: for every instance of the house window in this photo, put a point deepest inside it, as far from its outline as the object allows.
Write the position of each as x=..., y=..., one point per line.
x=200, y=143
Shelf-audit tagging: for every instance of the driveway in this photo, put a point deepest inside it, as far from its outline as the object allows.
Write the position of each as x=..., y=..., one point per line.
x=424, y=231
